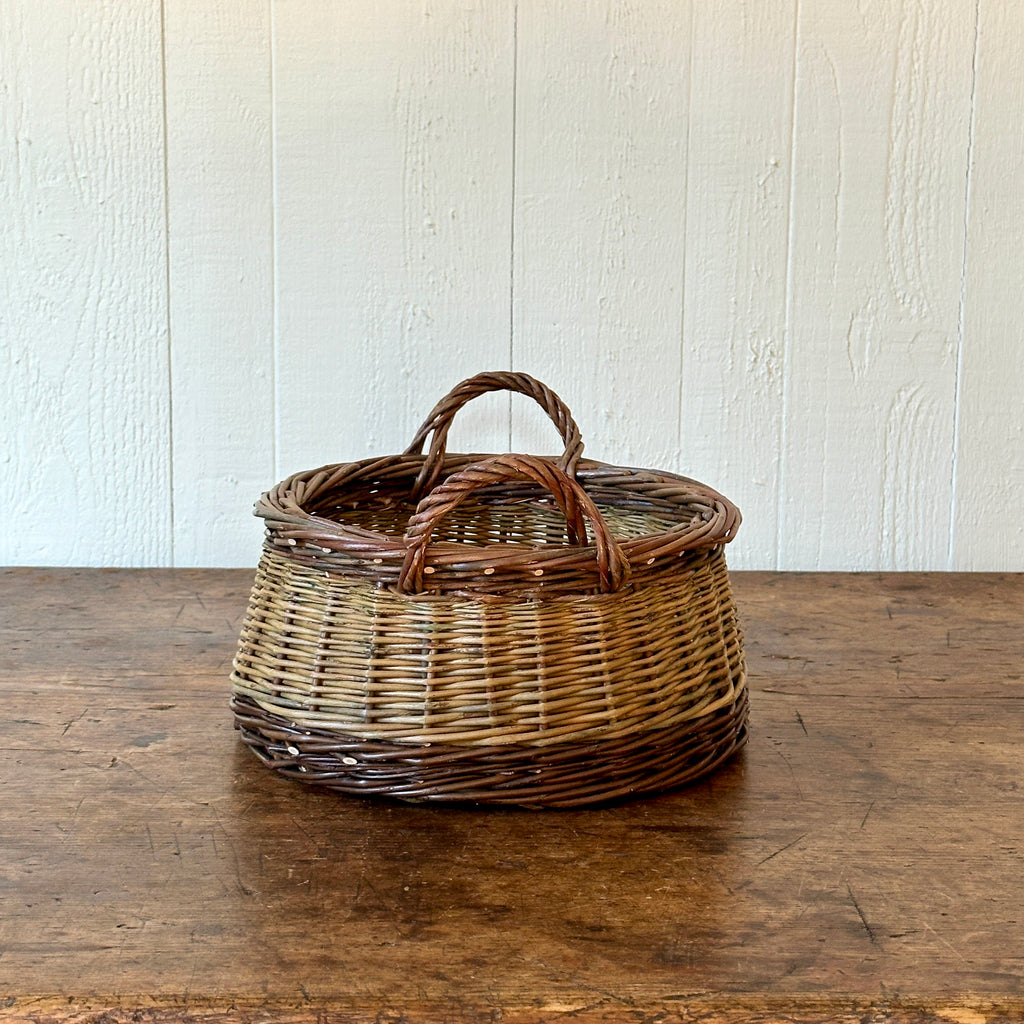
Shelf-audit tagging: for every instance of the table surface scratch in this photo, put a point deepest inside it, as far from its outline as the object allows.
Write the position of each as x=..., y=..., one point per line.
x=861, y=860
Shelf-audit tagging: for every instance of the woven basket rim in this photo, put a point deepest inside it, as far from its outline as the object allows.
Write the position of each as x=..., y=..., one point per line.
x=283, y=507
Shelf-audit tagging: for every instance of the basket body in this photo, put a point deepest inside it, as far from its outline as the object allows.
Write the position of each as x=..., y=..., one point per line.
x=487, y=657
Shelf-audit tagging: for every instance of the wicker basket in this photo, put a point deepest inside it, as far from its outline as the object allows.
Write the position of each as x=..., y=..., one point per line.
x=501, y=629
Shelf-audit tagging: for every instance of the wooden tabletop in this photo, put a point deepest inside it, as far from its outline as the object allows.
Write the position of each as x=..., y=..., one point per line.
x=861, y=860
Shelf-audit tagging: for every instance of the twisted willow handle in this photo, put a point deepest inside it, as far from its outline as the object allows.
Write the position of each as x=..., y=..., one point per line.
x=576, y=505
x=440, y=420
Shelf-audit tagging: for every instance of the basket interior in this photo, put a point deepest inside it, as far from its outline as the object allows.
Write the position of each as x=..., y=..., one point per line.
x=480, y=523
x=522, y=514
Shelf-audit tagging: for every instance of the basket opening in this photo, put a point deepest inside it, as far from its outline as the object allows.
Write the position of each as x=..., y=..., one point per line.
x=498, y=521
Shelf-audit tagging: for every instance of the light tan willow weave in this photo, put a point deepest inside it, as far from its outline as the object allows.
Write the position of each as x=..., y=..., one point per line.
x=501, y=629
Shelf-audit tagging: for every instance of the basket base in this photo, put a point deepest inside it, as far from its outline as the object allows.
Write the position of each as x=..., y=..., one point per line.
x=561, y=775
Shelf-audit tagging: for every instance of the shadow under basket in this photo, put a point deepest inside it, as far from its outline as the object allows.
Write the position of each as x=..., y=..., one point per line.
x=505, y=629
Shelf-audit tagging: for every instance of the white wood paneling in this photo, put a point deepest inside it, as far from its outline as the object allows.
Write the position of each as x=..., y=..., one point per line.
x=989, y=527
x=393, y=151
x=770, y=244
x=737, y=225
x=220, y=215
x=882, y=109
x=601, y=124
x=84, y=445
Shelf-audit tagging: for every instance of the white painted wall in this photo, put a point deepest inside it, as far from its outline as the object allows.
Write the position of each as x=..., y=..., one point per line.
x=774, y=244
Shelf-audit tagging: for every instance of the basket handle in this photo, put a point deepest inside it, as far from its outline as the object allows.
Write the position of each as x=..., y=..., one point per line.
x=577, y=506
x=440, y=420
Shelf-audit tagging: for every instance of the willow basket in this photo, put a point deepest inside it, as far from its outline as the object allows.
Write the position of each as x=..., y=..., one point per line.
x=501, y=629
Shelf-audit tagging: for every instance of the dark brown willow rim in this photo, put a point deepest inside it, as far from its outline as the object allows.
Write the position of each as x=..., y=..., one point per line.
x=564, y=776
x=300, y=524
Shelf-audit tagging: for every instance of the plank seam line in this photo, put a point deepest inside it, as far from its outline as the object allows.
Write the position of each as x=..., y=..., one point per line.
x=275, y=341
x=685, y=227
x=512, y=213
x=170, y=555
x=783, y=430
x=962, y=311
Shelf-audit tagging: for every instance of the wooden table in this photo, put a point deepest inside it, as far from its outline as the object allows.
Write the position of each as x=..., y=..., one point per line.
x=862, y=860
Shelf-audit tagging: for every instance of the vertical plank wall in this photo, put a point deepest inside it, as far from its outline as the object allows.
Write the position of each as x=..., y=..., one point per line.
x=987, y=500
x=393, y=132
x=601, y=107
x=740, y=141
x=220, y=250
x=774, y=245
x=882, y=113
x=84, y=424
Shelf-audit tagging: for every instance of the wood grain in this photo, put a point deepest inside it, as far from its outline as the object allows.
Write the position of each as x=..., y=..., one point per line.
x=988, y=532
x=769, y=244
x=84, y=402
x=858, y=862
x=740, y=137
x=601, y=107
x=882, y=100
x=393, y=143
x=220, y=218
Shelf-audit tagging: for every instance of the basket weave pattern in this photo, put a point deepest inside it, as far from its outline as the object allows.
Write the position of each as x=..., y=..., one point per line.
x=506, y=629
